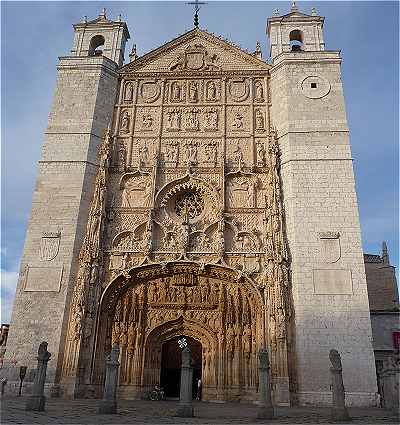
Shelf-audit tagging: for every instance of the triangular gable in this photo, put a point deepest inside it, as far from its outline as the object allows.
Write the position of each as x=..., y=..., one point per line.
x=196, y=49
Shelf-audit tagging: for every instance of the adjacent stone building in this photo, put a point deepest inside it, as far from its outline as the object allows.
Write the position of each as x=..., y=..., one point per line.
x=197, y=192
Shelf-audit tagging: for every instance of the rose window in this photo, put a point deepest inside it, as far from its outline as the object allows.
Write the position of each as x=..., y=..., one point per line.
x=189, y=205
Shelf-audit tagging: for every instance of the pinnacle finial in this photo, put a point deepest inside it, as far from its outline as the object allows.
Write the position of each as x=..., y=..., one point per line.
x=103, y=13
x=133, y=54
x=119, y=19
x=313, y=11
x=385, y=253
x=258, y=53
x=275, y=12
x=294, y=7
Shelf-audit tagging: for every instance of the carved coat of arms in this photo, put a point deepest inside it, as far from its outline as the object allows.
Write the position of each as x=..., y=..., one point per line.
x=194, y=58
x=49, y=245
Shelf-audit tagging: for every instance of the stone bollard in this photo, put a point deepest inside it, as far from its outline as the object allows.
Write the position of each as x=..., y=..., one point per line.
x=339, y=410
x=265, y=410
x=109, y=402
x=185, y=408
x=3, y=383
x=37, y=400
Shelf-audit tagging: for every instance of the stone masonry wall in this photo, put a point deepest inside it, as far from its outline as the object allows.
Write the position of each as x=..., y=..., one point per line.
x=82, y=108
x=329, y=286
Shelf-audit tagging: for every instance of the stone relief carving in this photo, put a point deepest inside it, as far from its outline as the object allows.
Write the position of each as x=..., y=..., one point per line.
x=128, y=94
x=150, y=91
x=191, y=120
x=191, y=152
x=238, y=89
x=174, y=119
x=147, y=122
x=193, y=91
x=241, y=192
x=195, y=58
x=83, y=307
x=177, y=94
x=231, y=314
x=125, y=121
x=238, y=121
x=259, y=119
x=49, y=245
x=211, y=152
x=259, y=91
x=211, y=119
x=212, y=91
x=330, y=246
x=188, y=221
x=171, y=153
x=136, y=191
x=261, y=153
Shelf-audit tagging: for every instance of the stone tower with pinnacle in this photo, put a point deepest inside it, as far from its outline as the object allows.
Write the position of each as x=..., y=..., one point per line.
x=82, y=109
x=327, y=267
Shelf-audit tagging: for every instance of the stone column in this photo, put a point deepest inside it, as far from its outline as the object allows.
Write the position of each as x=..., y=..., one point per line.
x=265, y=410
x=185, y=408
x=339, y=411
x=109, y=402
x=37, y=400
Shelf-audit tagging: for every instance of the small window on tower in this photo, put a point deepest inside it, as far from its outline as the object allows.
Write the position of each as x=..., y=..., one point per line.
x=313, y=85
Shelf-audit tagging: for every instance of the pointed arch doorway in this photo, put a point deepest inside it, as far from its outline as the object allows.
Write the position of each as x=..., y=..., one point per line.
x=171, y=355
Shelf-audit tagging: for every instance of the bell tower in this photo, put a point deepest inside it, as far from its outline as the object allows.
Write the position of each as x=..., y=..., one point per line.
x=322, y=224
x=101, y=37
x=82, y=109
x=295, y=32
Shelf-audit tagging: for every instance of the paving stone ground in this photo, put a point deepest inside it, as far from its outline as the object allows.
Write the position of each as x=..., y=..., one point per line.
x=84, y=412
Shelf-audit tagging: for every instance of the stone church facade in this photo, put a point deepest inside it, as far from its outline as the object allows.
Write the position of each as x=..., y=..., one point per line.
x=197, y=192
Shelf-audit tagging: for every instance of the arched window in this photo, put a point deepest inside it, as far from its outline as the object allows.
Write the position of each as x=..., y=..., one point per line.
x=96, y=42
x=296, y=40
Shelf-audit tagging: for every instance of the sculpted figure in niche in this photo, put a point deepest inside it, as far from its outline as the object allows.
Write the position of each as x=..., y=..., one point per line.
x=212, y=119
x=259, y=120
x=259, y=91
x=125, y=122
x=174, y=120
x=171, y=152
x=238, y=121
x=191, y=120
x=261, y=154
x=238, y=156
x=193, y=91
x=143, y=154
x=211, y=91
x=176, y=91
x=211, y=152
x=121, y=156
x=147, y=122
x=128, y=92
x=191, y=153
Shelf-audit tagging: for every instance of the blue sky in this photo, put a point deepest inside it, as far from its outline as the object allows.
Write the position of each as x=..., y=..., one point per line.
x=34, y=34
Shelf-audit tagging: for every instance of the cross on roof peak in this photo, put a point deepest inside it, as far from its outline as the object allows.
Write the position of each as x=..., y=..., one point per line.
x=196, y=4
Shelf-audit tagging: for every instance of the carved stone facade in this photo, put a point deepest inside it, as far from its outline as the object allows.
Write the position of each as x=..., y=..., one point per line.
x=185, y=226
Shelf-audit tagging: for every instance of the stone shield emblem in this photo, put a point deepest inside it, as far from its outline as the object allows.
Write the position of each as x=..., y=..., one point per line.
x=49, y=246
x=330, y=246
x=195, y=60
